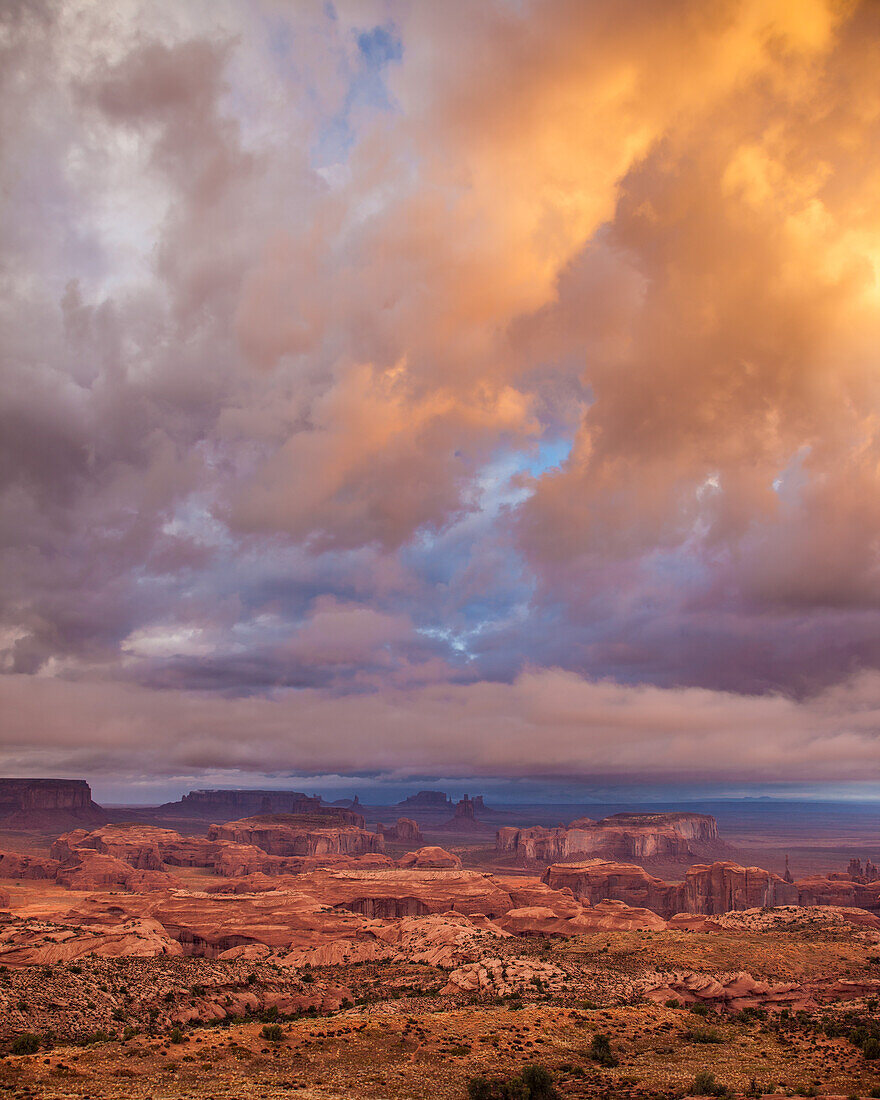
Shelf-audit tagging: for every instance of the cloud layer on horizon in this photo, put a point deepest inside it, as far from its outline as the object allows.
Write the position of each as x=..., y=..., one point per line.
x=419, y=369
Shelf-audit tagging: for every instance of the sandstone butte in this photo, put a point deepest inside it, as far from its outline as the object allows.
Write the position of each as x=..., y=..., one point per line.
x=299, y=835
x=675, y=836
x=708, y=889
x=47, y=804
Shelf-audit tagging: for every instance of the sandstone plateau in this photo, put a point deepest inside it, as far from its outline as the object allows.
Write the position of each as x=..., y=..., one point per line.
x=708, y=889
x=47, y=804
x=299, y=835
x=673, y=836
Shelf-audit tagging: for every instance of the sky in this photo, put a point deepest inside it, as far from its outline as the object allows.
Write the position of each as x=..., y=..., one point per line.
x=393, y=390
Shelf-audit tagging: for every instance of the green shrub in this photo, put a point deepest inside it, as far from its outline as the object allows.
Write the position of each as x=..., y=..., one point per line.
x=702, y=1035
x=25, y=1044
x=534, y=1083
x=601, y=1052
x=705, y=1084
x=871, y=1048
x=176, y=1035
x=699, y=1010
x=272, y=1033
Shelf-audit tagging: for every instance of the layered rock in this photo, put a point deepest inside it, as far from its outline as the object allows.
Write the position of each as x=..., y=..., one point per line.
x=708, y=889
x=47, y=804
x=840, y=890
x=16, y=865
x=431, y=857
x=246, y=860
x=732, y=992
x=91, y=870
x=674, y=836
x=41, y=943
x=597, y=880
x=298, y=835
x=724, y=887
x=405, y=831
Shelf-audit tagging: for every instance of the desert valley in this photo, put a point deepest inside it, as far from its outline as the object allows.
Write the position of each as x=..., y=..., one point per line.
x=194, y=952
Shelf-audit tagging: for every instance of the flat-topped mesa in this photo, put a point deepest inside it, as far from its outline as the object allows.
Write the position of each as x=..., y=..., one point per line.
x=676, y=836
x=299, y=835
x=708, y=889
x=702, y=828
x=47, y=804
x=229, y=805
x=427, y=800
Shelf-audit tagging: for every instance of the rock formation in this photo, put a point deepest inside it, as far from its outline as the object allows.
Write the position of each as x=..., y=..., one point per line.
x=838, y=890
x=405, y=831
x=708, y=888
x=677, y=836
x=427, y=800
x=596, y=880
x=226, y=805
x=47, y=804
x=864, y=875
x=15, y=865
x=299, y=835
x=437, y=858
x=725, y=887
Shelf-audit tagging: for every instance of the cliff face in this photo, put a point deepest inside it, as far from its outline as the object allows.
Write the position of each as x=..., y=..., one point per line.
x=622, y=836
x=708, y=889
x=47, y=803
x=596, y=880
x=229, y=805
x=299, y=835
x=725, y=887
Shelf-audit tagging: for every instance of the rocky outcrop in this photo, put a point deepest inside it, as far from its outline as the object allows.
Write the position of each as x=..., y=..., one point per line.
x=41, y=943
x=405, y=831
x=596, y=880
x=47, y=804
x=840, y=890
x=867, y=874
x=730, y=992
x=298, y=835
x=708, y=888
x=91, y=870
x=430, y=858
x=246, y=860
x=606, y=916
x=16, y=865
x=723, y=887
x=674, y=836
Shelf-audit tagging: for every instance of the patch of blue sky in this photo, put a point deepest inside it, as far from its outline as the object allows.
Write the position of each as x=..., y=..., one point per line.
x=377, y=48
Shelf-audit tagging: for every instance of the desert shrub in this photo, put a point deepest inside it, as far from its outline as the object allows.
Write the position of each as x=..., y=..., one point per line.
x=539, y=1083
x=871, y=1048
x=702, y=1035
x=25, y=1044
x=534, y=1083
x=699, y=1010
x=705, y=1084
x=272, y=1033
x=673, y=1002
x=601, y=1052
x=176, y=1035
